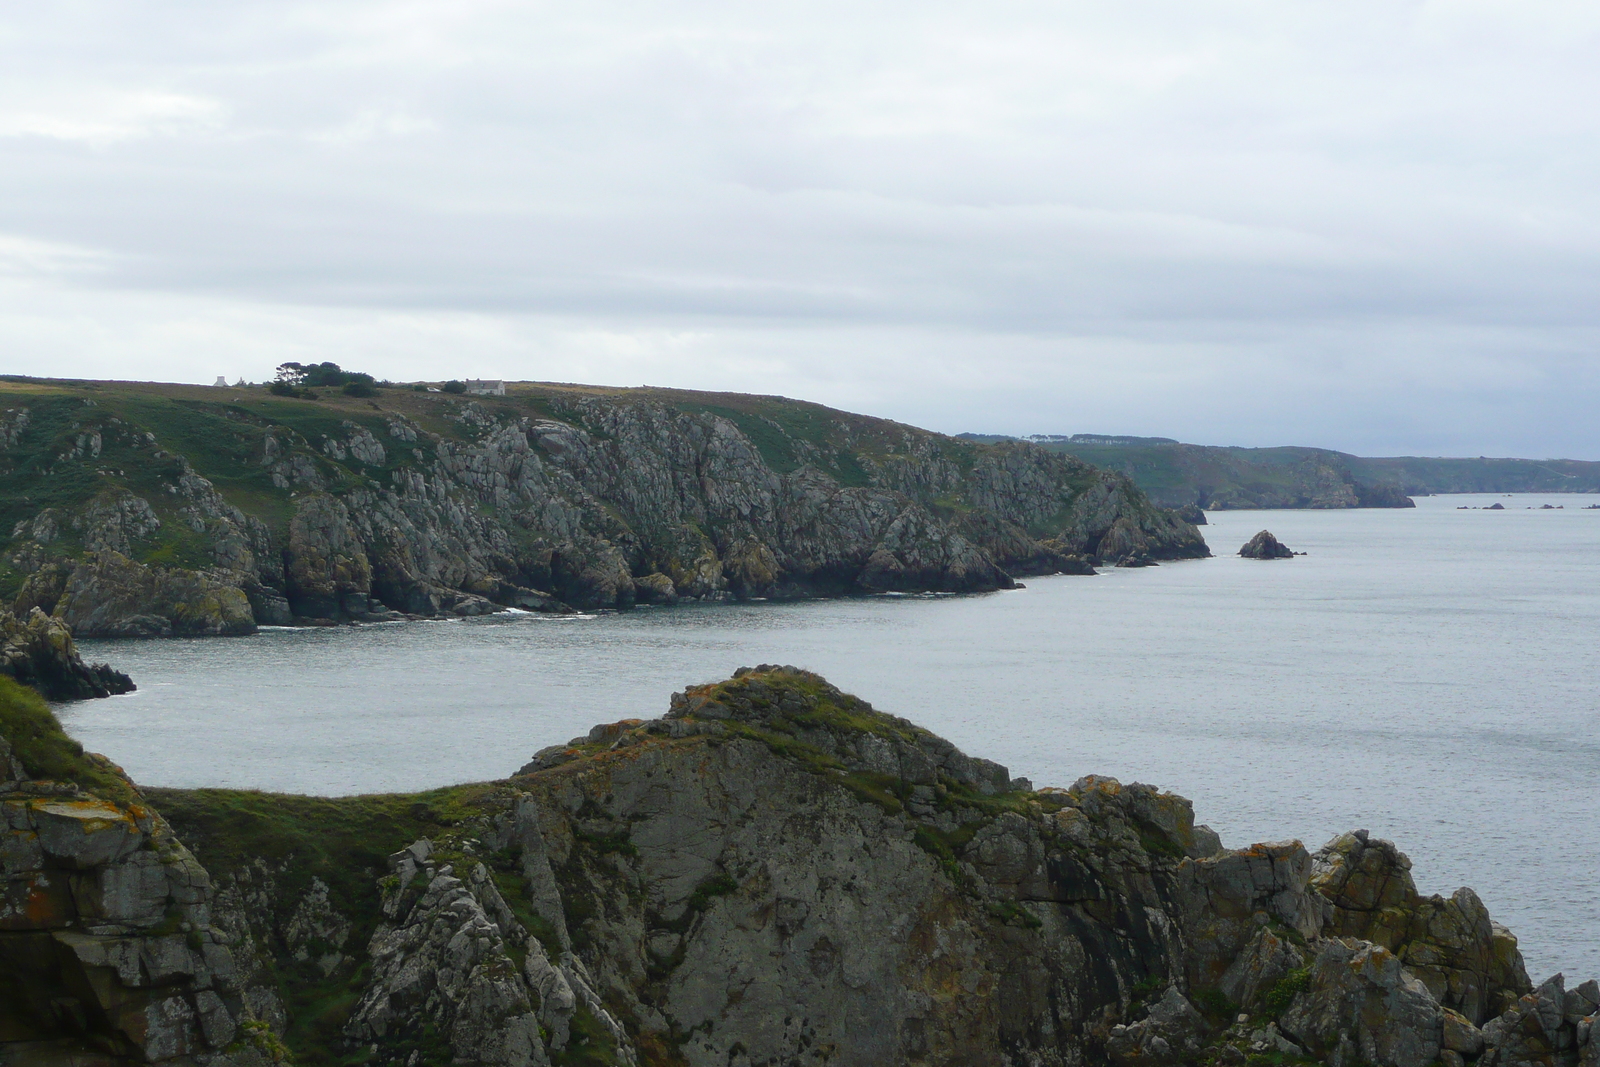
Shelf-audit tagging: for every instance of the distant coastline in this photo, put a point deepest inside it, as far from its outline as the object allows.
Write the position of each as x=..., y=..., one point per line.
x=1220, y=478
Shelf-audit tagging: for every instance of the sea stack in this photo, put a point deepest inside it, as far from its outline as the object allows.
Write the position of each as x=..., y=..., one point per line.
x=1264, y=546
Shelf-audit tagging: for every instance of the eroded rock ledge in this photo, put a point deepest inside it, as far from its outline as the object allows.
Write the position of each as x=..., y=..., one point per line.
x=776, y=873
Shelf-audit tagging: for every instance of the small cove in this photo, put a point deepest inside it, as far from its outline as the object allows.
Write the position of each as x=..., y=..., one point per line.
x=1431, y=675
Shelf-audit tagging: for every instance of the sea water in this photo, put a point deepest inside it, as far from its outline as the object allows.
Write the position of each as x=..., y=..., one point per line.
x=1431, y=675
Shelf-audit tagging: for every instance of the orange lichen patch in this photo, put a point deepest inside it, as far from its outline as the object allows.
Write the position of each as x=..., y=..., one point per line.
x=92, y=814
x=612, y=730
x=1375, y=957
x=42, y=902
x=48, y=904
x=1099, y=783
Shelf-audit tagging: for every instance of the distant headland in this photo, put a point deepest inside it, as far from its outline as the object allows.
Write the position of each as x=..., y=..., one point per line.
x=1216, y=478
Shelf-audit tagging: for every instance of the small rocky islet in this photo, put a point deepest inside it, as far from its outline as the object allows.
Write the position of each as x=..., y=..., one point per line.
x=772, y=872
x=1265, y=546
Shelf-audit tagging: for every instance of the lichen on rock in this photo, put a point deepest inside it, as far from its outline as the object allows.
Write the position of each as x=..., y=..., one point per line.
x=107, y=949
x=777, y=872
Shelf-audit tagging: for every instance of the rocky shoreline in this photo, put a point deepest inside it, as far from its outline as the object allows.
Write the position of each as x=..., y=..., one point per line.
x=38, y=651
x=772, y=872
x=178, y=511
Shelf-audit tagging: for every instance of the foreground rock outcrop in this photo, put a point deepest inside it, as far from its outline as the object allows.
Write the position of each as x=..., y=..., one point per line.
x=1265, y=546
x=108, y=954
x=775, y=872
x=180, y=512
x=38, y=650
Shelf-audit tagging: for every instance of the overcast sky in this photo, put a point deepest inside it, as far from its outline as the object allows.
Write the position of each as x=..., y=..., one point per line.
x=1359, y=224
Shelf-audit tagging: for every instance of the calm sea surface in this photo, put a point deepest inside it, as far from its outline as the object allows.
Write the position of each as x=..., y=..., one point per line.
x=1432, y=675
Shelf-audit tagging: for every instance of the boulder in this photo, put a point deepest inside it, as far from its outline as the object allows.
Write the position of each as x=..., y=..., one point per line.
x=655, y=588
x=1534, y=1032
x=1264, y=546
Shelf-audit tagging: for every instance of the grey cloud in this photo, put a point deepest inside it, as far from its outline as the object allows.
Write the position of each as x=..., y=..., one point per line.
x=1370, y=226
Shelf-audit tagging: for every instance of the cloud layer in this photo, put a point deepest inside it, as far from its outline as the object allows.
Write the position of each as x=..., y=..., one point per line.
x=1366, y=225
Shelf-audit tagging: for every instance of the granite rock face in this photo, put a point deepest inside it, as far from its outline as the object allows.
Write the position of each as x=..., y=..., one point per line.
x=38, y=650
x=566, y=498
x=1264, y=546
x=109, y=595
x=108, y=954
x=1469, y=963
x=776, y=872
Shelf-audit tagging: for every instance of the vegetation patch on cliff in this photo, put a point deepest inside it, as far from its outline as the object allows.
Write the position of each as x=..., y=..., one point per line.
x=344, y=842
x=37, y=740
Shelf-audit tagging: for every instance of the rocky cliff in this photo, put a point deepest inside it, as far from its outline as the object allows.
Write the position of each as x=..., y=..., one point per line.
x=153, y=510
x=771, y=873
x=38, y=650
x=108, y=952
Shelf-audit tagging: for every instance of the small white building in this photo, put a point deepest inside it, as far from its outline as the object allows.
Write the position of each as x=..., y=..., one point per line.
x=220, y=383
x=477, y=388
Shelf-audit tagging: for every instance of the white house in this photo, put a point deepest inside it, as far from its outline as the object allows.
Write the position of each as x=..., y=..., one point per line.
x=477, y=388
x=220, y=383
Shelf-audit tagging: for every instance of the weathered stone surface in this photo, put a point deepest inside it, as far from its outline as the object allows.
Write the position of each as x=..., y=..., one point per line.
x=1269, y=958
x=1468, y=962
x=446, y=964
x=106, y=944
x=775, y=872
x=108, y=953
x=1264, y=546
x=655, y=588
x=327, y=561
x=110, y=595
x=1173, y=1032
x=38, y=650
x=1534, y=1032
x=1361, y=999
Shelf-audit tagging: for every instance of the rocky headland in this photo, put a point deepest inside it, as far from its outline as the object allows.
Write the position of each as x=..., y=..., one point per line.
x=149, y=510
x=38, y=650
x=1174, y=474
x=773, y=872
